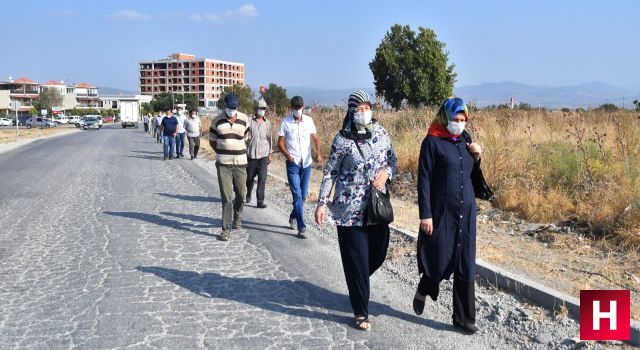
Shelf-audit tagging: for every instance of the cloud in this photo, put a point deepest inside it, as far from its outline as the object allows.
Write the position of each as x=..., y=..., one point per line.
x=241, y=14
x=62, y=13
x=129, y=15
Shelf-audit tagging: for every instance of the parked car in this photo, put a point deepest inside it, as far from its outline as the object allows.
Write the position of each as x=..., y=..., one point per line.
x=74, y=119
x=41, y=123
x=62, y=119
x=91, y=122
x=108, y=119
x=5, y=122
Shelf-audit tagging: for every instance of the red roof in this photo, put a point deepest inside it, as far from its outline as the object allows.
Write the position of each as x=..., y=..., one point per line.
x=52, y=82
x=24, y=81
x=84, y=85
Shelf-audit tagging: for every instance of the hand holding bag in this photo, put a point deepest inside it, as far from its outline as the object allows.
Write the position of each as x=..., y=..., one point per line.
x=379, y=209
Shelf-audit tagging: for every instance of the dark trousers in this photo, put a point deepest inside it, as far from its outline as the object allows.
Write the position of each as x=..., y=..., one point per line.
x=464, y=297
x=257, y=167
x=194, y=146
x=363, y=250
x=146, y=127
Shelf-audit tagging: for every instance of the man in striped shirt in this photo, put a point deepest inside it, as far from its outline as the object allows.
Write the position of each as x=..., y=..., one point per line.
x=227, y=136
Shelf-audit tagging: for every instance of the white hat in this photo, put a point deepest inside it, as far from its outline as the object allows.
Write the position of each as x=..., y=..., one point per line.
x=262, y=103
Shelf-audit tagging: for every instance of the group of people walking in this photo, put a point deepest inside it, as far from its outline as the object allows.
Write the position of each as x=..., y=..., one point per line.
x=172, y=129
x=361, y=164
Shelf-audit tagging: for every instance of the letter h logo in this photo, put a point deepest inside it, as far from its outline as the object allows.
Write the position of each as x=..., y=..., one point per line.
x=605, y=315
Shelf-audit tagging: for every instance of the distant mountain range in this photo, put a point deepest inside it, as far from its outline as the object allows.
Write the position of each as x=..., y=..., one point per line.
x=591, y=94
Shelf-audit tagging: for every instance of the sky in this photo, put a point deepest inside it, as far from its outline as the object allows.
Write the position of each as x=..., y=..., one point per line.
x=324, y=44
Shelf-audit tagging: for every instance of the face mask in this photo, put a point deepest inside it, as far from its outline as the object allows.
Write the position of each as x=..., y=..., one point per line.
x=230, y=112
x=455, y=128
x=261, y=112
x=193, y=116
x=362, y=118
x=297, y=113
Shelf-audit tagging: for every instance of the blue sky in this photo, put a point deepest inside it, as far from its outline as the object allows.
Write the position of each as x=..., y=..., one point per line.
x=322, y=44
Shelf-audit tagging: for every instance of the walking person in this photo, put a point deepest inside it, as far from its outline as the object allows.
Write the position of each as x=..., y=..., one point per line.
x=181, y=135
x=446, y=201
x=145, y=121
x=153, y=126
x=192, y=126
x=361, y=157
x=159, y=118
x=228, y=135
x=294, y=141
x=259, y=152
x=169, y=128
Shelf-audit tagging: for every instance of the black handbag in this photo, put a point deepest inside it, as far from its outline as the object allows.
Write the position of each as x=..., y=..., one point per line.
x=379, y=209
x=480, y=187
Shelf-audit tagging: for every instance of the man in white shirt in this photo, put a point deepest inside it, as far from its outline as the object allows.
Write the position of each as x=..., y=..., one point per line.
x=159, y=118
x=181, y=136
x=294, y=141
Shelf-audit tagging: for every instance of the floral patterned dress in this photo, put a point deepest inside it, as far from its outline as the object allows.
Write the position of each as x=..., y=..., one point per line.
x=346, y=168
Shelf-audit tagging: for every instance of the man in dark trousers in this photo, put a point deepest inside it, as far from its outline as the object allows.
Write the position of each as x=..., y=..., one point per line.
x=258, y=152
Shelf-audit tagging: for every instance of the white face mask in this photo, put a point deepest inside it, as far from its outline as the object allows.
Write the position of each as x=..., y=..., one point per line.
x=297, y=113
x=455, y=128
x=230, y=112
x=362, y=118
x=261, y=112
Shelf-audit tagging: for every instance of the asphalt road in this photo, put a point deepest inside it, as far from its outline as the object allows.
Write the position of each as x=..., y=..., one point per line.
x=104, y=245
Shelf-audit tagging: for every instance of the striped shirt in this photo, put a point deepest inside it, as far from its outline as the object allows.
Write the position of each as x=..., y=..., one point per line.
x=230, y=139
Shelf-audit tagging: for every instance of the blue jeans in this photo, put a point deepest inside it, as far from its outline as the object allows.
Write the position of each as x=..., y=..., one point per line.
x=180, y=140
x=168, y=145
x=298, y=178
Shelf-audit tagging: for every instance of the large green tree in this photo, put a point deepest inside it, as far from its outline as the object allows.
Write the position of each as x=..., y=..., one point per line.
x=412, y=67
x=48, y=98
x=167, y=101
x=245, y=95
x=277, y=99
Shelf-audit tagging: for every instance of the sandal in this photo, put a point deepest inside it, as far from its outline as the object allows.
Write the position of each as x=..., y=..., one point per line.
x=418, y=303
x=362, y=323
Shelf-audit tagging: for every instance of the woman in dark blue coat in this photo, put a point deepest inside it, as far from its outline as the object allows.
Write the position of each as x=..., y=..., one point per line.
x=447, y=238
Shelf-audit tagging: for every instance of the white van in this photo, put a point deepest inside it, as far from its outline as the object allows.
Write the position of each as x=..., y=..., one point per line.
x=62, y=119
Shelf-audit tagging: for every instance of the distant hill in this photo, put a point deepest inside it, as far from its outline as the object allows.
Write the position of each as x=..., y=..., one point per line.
x=105, y=90
x=584, y=95
x=326, y=97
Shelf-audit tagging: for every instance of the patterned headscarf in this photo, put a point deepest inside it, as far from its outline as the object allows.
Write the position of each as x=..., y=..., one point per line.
x=349, y=128
x=450, y=108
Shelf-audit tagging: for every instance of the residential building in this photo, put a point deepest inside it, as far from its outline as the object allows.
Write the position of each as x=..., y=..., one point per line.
x=113, y=102
x=184, y=73
x=23, y=90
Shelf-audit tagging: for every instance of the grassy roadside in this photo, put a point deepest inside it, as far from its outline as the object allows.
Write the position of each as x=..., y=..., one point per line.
x=9, y=135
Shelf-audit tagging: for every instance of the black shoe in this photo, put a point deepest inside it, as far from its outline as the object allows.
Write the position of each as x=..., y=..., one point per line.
x=262, y=205
x=191, y=157
x=170, y=157
x=164, y=158
x=247, y=199
x=418, y=303
x=468, y=328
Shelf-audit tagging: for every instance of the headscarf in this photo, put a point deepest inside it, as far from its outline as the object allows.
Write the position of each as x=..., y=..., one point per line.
x=349, y=128
x=446, y=113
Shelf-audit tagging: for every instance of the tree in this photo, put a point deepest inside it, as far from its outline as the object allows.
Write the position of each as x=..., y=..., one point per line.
x=412, y=67
x=277, y=99
x=146, y=108
x=49, y=98
x=608, y=107
x=245, y=95
x=167, y=101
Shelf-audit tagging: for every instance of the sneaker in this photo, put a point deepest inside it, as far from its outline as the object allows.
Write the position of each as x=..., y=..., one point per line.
x=237, y=225
x=170, y=157
x=302, y=233
x=292, y=224
x=225, y=235
x=468, y=328
x=262, y=205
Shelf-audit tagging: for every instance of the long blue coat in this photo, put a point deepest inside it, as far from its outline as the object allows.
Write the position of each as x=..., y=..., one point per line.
x=445, y=194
